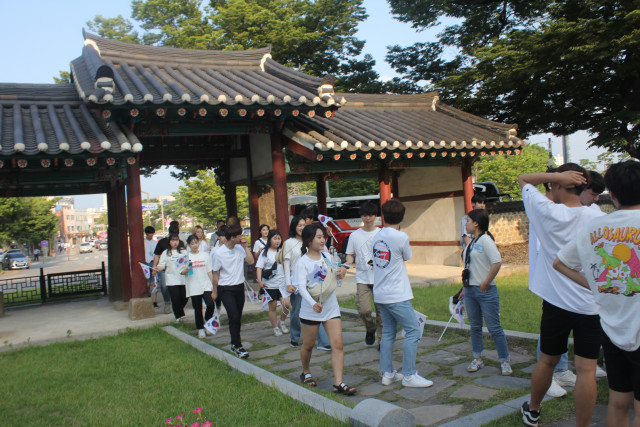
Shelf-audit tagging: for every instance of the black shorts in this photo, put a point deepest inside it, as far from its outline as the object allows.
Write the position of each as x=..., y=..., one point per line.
x=623, y=368
x=557, y=324
x=274, y=294
x=314, y=322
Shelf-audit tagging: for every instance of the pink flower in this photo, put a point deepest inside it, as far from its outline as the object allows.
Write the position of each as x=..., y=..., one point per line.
x=179, y=417
x=168, y=421
x=206, y=424
x=197, y=410
x=196, y=424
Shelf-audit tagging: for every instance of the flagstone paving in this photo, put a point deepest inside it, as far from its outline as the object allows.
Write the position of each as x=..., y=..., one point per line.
x=455, y=392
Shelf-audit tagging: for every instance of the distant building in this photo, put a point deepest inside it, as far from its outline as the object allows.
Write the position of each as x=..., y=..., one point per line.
x=73, y=223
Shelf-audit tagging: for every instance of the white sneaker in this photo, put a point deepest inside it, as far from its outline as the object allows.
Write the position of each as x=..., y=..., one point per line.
x=555, y=390
x=566, y=379
x=179, y=319
x=505, y=367
x=202, y=333
x=600, y=373
x=475, y=365
x=277, y=332
x=389, y=378
x=416, y=381
x=283, y=326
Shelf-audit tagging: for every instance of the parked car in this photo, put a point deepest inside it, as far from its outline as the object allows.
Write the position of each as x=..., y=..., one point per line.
x=101, y=245
x=92, y=243
x=85, y=247
x=15, y=260
x=491, y=192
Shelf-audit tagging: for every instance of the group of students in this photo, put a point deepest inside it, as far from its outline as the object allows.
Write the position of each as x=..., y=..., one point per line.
x=585, y=266
x=587, y=273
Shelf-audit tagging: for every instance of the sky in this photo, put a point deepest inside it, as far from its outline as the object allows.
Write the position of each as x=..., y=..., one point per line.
x=40, y=38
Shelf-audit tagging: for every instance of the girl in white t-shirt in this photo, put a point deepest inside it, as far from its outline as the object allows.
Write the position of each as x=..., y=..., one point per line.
x=482, y=259
x=267, y=262
x=312, y=266
x=261, y=243
x=199, y=233
x=172, y=262
x=200, y=283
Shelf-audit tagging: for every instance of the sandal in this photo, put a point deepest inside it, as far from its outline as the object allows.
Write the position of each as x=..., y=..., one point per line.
x=344, y=389
x=308, y=379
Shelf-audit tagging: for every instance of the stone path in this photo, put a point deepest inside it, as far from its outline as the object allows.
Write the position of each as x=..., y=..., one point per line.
x=455, y=392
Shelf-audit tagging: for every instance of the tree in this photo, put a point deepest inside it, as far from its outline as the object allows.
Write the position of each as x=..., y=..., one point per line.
x=504, y=170
x=202, y=198
x=358, y=76
x=117, y=28
x=550, y=66
x=354, y=187
x=64, y=77
x=27, y=220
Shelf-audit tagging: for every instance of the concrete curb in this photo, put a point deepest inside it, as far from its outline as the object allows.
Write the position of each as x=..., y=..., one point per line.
x=386, y=414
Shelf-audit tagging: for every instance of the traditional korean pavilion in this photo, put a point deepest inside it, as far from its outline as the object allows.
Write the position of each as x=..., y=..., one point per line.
x=259, y=122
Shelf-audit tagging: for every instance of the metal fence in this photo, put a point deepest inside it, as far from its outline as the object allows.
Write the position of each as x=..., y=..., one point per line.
x=54, y=286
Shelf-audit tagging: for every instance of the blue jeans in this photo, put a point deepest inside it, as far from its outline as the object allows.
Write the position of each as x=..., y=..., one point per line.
x=162, y=287
x=294, y=326
x=393, y=314
x=485, y=305
x=563, y=363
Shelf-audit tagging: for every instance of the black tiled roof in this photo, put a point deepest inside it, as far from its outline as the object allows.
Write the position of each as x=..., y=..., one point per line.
x=402, y=122
x=119, y=73
x=51, y=119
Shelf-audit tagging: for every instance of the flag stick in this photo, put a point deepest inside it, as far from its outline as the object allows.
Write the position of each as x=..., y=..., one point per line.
x=445, y=328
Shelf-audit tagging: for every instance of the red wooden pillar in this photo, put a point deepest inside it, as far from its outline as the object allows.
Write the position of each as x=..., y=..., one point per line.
x=385, y=185
x=113, y=250
x=279, y=182
x=136, y=230
x=467, y=185
x=123, y=240
x=321, y=194
x=395, y=187
x=254, y=197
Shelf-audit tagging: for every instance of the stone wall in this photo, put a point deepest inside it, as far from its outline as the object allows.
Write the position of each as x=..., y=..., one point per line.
x=509, y=228
x=509, y=223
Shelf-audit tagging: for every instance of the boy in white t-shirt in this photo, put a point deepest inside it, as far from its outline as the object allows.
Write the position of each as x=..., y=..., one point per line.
x=392, y=294
x=359, y=246
x=228, y=276
x=565, y=308
x=605, y=259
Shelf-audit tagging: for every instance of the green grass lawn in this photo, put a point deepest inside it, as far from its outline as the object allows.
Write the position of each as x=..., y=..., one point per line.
x=141, y=377
x=520, y=310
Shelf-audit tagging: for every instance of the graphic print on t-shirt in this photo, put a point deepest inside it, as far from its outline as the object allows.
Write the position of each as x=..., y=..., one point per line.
x=318, y=274
x=619, y=264
x=381, y=254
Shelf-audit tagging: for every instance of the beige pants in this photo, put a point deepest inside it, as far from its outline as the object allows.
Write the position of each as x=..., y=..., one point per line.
x=364, y=295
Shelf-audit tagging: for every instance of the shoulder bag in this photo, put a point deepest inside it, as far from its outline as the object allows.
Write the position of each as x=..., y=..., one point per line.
x=321, y=291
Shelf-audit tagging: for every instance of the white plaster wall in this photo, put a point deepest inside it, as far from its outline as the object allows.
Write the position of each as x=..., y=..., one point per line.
x=435, y=219
x=261, y=154
x=238, y=166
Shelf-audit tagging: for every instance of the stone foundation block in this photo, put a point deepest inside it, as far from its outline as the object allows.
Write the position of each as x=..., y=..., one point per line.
x=141, y=308
x=120, y=306
x=374, y=412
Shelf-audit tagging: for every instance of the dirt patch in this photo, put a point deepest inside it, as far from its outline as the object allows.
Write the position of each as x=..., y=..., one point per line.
x=515, y=254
